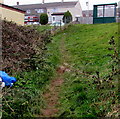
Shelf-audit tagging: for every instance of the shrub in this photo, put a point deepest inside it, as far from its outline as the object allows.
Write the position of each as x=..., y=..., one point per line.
x=18, y=46
x=67, y=18
x=43, y=18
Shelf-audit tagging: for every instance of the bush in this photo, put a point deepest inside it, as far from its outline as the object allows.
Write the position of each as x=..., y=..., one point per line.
x=19, y=46
x=43, y=18
x=67, y=18
x=22, y=47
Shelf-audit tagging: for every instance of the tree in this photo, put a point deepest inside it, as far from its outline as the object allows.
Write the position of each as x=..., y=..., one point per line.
x=67, y=18
x=43, y=19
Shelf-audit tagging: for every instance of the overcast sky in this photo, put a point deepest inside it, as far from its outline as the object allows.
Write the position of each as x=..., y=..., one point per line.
x=83, y=2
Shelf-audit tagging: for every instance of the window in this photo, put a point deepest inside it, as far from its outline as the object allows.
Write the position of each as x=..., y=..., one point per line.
x=39, y=10
x=109, y=11
x=84, y=15
x=42, y=10
x=106, y=11
x=28, y=11
x=53, y=18
x=100, y=11
x=54, y=10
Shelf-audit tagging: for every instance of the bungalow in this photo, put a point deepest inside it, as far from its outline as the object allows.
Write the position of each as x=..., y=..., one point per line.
x=55, y=10
x=11, y=14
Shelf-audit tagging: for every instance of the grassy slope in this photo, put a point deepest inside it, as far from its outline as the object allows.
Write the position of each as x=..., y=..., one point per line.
x=87, y=45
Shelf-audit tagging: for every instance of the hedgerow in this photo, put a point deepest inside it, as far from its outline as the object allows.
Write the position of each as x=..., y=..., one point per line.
x=23, y=54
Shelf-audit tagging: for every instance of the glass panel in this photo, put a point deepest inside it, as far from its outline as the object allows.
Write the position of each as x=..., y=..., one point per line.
x=39, y=10
x=100, y=11
x=53, y=18
x=54, y=10
x=109, y=11
x=42, y=10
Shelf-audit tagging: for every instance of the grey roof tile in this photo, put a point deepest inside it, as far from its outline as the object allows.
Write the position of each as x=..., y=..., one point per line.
x=46, y=5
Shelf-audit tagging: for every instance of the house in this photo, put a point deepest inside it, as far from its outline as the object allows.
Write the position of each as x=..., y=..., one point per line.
x=11, y=14
x=55, y=10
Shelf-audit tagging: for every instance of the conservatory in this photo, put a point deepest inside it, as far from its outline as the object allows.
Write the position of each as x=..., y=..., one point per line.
x=104, y=13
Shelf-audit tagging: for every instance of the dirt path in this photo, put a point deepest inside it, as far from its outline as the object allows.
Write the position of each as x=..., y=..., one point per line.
x=51, y=96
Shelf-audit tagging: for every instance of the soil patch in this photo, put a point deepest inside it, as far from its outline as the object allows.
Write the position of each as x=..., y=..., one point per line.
x=52, y=95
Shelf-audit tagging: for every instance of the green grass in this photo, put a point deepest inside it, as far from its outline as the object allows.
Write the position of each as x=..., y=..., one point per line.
x=87, y=47
x=25, y=97
x=43, y=28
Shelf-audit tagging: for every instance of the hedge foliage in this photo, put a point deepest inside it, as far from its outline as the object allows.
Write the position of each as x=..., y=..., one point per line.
x=67, y=18
x=43, y=19
x=20, y=46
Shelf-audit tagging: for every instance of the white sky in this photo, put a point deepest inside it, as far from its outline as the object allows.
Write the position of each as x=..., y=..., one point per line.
x=83, y=2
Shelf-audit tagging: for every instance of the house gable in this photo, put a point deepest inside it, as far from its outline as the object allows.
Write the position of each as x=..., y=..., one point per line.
x=12, y=14
x=12, y=8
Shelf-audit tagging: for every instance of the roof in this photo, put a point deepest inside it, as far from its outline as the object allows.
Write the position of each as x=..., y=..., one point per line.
x=46, y=5
x=12, y=8
x=58, y=14
x=106, y=4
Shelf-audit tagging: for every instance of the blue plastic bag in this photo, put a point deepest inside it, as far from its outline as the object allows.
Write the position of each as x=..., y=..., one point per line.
x=7, y=79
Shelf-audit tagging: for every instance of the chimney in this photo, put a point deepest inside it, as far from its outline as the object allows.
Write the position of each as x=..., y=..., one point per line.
x=43, y=1
x=2, y=1
x=17, y=3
